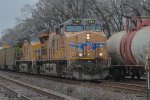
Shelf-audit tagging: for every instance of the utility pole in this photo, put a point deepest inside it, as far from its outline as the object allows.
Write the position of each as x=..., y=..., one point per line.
x=147, y=67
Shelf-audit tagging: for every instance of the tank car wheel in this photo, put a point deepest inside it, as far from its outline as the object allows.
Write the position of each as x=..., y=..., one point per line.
x=133, y=76
x=117, y=73
x=136, y=72
x=138, y=75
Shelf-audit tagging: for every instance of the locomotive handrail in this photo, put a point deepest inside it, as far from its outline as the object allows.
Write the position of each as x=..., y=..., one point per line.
x=68, y=60
x=33, y=62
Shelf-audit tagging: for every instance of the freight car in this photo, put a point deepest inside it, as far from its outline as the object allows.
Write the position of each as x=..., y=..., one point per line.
x=7, y=57
x=77, y=49
x=128, y=49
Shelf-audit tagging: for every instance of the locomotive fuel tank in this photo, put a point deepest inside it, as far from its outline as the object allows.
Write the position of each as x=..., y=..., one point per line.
x=130, y=47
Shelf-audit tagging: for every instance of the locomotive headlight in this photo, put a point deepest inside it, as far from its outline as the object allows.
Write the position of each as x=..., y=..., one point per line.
x=100, y=54
x=80, y=54
x=87, y=36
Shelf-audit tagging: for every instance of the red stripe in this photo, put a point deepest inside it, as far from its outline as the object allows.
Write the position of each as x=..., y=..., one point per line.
x=129, y=52
x=125, y=48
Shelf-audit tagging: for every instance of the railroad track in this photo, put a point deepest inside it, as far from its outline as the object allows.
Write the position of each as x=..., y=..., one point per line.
x=24, y=91
x=115, y=86
x=126, y=87
x=7, y=93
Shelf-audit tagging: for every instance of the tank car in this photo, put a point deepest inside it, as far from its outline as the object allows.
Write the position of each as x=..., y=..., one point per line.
x=128, y=49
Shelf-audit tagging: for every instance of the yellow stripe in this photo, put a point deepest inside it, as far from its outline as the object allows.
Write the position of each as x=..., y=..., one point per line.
x=82, y=59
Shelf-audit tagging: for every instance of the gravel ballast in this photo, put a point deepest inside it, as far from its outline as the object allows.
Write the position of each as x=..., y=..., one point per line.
x=76, y=90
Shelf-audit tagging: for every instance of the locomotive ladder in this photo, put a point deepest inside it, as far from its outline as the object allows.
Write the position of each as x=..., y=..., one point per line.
x=69, y=62
x=34, y=65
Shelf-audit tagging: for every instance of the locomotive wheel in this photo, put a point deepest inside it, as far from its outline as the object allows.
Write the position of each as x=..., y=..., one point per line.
x=137, y=75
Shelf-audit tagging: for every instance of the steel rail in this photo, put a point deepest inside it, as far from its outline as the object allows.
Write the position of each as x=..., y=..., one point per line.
x=18, y=95
x=43, y=91
x=126, y=87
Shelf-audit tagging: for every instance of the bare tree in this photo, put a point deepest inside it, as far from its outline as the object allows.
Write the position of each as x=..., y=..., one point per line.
x=48, y=14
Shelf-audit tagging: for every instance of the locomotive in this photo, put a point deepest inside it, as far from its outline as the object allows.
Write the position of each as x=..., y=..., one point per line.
x=77, y=49
x=129, y=48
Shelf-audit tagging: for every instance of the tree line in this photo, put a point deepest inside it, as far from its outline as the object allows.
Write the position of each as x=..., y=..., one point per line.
x=48, y=14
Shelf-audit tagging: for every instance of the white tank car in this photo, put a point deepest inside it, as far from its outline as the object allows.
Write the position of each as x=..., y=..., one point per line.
x=129, y=48
x=114, y=47
x=140, y=44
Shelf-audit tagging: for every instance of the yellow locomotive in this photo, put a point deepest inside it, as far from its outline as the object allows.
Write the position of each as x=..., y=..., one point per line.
x=77, y=49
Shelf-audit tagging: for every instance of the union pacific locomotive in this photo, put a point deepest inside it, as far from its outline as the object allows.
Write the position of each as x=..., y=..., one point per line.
x=77, y=49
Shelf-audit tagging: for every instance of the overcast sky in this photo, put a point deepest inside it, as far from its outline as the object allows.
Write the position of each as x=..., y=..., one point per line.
x=9, y=10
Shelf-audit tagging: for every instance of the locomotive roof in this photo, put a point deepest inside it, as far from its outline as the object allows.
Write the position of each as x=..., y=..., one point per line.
x=46, y=31
x=75, y=21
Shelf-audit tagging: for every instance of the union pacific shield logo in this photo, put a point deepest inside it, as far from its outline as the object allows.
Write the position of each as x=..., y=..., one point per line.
x=87, y=45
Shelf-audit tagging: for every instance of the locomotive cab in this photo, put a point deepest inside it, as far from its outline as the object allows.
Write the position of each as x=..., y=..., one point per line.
x=43, y=37
x=85, y=35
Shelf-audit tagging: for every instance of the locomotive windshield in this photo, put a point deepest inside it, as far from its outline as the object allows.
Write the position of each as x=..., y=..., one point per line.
x=93, y=27
x=74, y=28
x=90, y=27
x=34, y=39
x=79, y=28
x=78, y=25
